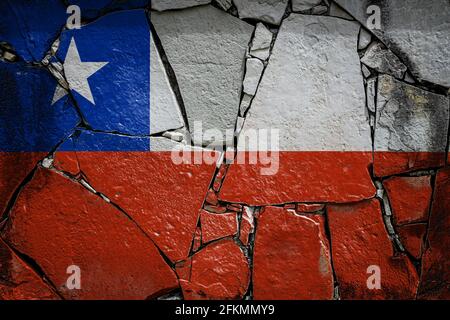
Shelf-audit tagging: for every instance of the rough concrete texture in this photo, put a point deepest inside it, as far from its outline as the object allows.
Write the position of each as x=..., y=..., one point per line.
x=411, y=129
x=416, y=32
x=327, y=170
x=383, y=61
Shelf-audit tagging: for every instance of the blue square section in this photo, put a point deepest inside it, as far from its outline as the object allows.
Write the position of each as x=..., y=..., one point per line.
x=121, y=88
x=31, y=26
x=107, y=65
x=28, y=121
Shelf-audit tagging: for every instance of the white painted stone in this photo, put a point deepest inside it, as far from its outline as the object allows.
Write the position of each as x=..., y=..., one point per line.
x=239, y=124
x=383, y=60
x=163, y=144
x=173, y=135
x=206, y=48
x=302, y=5
x=261, y=42
x=365, y=71
x=408, y=78
x=364, y=39
x=410, y=119
x=372, y=120
x=371, y=93
x=336, y=11
x=162, y=5
x=270, y=11
x=312, y=89
x=164, y=110
x=416, y=30
x=319, y=10
x=225, y=4
x=245, y=103
x=47, y=163
x=252, y=75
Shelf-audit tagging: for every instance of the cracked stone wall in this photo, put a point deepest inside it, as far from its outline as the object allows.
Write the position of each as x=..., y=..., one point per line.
x=89, y=119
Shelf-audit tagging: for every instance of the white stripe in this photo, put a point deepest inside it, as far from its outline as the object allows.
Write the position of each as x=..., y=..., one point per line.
x=312, y=89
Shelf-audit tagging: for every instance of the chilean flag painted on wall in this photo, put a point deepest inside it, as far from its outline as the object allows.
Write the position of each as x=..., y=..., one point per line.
x=102, y=129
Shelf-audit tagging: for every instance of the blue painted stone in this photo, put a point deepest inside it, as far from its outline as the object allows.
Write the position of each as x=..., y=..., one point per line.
x=121, y=89
x=28, y=121
x=31, y=26
x=84, y=140
x=93, y=9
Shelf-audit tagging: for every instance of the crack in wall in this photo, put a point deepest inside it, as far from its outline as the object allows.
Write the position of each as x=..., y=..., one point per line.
x=336, y=295
x=84, y=182
x=36, y=268
x=58, y=73
x=170, y=74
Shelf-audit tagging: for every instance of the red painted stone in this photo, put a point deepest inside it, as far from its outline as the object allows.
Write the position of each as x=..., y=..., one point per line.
x=18, y=281
x=218, y=271
x=435, y=279
x=183, y=268
x=67, y=162
x=14, y=167
x=215, y=209
x=211, y=198
x=216, y=226
x=234, y=207
x=412, y=238
x=302, y=177
x=197, y=239
x=219, y=177
x=162, y=197
x=359, y=240
x=409, y=198
x=247, y=225
x=291, y=257
x=389, y=163
x=308, y=208
x=59, y=223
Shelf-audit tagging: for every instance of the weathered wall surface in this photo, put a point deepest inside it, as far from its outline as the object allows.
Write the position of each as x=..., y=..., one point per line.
x=352, y=187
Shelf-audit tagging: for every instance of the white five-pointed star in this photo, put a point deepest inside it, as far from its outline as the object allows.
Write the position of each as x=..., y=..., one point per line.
x=77, y=74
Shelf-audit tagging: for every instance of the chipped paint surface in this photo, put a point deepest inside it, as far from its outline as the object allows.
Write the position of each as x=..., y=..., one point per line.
x=128, y=169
